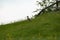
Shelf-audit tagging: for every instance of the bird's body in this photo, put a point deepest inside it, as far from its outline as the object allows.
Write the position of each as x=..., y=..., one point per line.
x=28, y=18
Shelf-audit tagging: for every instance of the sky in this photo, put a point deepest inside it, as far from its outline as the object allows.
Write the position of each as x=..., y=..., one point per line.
x=15, y=10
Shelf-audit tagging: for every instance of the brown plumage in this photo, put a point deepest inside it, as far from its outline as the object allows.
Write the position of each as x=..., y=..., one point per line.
x=28, y=18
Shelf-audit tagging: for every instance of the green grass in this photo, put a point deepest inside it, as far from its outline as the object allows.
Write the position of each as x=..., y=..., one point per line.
x=44, y=27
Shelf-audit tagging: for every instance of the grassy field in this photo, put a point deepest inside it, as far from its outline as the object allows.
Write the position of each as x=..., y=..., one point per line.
x=44, y=27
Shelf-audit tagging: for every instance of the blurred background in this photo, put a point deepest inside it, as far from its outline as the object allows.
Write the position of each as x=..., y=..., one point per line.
x=14, y=10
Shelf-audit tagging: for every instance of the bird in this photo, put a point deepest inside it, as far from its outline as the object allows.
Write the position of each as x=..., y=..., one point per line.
x=28, y=18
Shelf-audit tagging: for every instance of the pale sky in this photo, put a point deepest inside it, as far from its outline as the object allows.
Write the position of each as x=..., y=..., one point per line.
x=14, y=10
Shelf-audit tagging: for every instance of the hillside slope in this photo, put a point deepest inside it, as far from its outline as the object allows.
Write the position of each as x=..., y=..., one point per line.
x=44, y=27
